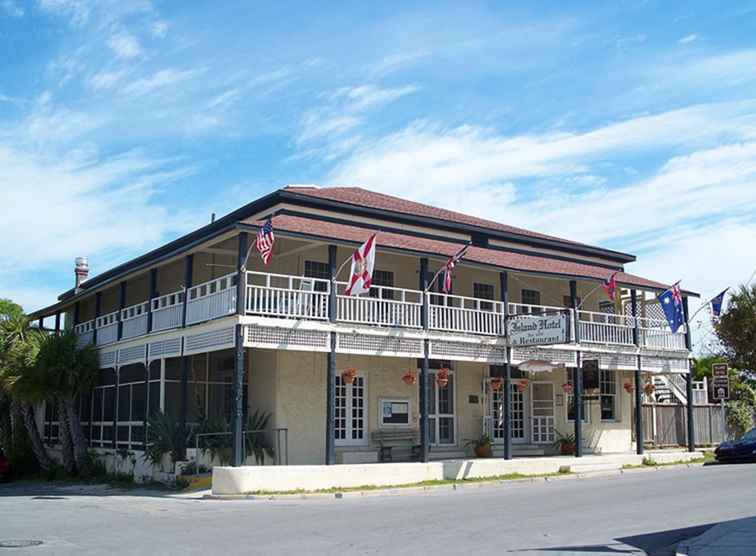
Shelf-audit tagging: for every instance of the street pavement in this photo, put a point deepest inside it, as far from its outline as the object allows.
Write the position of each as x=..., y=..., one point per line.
x=629, y=514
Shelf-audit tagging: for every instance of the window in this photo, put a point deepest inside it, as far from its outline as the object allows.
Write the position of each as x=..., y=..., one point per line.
x=394, y=413
x=483, y=291
x=608, y=383
x=383, y=278
x=570, y=400
x=530, y=297
x=567, y=301
x=316, y=269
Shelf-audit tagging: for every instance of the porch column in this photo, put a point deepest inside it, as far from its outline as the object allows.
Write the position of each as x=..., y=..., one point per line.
x=424, y=437
x=57, y=323
x=98, y=310
x=637, y=391
x=77, y=313
x=184, y=390
x=237, y=423
x=578, y=377
x=330, y=455
x=121, y=306
x=689, y=383
x=507, y=393
x=152, y=295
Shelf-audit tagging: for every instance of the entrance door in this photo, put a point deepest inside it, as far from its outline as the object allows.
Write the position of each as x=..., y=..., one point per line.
x=441, y=419
x=542, y=412
x=351, y=412
x=496, y=408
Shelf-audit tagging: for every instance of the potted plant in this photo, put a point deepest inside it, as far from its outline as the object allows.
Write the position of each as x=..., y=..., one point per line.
x=628, y=386
x=649, y=388
x=496, y=384
x=442, y=378
x=409, y=378
x=522, y=385
x=481, y=446
x=348, y=375
x=565, y=443
x=567, y=388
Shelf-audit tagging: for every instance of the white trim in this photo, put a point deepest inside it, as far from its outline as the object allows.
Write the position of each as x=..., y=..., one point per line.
x=365, y=440
x=433, y=412
x=533, y=417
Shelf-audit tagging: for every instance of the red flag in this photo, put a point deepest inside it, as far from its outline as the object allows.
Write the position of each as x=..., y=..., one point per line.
x=610, y=286
x=450, y=264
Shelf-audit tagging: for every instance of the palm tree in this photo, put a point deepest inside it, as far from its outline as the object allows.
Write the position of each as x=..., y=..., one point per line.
x=19, y=347
x=69, y=372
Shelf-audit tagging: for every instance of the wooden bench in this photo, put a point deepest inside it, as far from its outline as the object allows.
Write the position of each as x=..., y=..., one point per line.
x=388, y=439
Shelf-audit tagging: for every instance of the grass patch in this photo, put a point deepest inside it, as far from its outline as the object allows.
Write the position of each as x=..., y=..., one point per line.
x=433, y=483
x=648, y=462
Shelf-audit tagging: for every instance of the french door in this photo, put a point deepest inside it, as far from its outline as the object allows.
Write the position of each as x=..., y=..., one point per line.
x=542, y=412
x=496, y=412
x=351, y=412
x=442, y=423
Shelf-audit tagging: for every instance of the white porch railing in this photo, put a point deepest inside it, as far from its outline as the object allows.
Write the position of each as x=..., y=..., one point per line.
x=605, y=328
x=385, y=306
x=656, y=334
x=85, y=332
x=456, y=313
x=282, y=295
x=134, y=319
x=525, y=309
x=210, y=300
x=107, y=328
x=167, y=311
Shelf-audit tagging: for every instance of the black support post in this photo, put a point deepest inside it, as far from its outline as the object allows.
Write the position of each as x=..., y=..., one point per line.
x=57, y=322
x=424, y=432
x=638, y=379
x=41, y=323
x=77, y=313
x=239, y=367
x=638, y=409
x=121, y=306
x=184, y=390
x=577, y=387
x=98, y=312
x=330, y=440
x=507, y=386
x=689, y=382
x=152, y=295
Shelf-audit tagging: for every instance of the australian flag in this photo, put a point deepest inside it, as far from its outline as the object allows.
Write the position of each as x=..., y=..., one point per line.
x=671, y=303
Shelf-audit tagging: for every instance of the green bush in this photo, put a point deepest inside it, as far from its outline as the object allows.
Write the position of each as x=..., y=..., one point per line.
x=739, y=417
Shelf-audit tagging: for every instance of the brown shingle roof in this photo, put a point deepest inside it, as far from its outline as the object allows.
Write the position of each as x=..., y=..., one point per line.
x=502, y=259
x=362, y=197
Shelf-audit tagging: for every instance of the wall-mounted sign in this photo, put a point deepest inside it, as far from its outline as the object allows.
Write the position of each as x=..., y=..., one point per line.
x=538, y=330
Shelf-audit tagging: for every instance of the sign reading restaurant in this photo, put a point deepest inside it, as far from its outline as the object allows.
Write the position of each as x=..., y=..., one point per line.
x=530, y=330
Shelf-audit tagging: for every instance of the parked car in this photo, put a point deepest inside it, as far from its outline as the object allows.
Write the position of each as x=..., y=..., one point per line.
x=743, y=449
x=5, y=469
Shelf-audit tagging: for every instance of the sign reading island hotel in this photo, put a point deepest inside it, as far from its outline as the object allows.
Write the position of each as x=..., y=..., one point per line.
x=538, y=330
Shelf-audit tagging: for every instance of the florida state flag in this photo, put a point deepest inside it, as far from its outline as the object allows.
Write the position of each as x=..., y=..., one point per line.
x=363, y=261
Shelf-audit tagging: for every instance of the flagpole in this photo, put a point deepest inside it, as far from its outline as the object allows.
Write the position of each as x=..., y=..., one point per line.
x=587, y=296
x=706, y=304
x=433, y=280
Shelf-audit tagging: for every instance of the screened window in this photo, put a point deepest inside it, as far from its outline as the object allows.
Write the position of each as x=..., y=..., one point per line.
x=132, y=406
x=383, y=278
x=530, y=297
x=316, y=269
x=484, y=291
x=608, y=385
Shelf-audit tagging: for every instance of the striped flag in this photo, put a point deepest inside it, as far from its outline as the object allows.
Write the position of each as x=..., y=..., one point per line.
x=610, y=285
x=363, y=262
x=450, y=264
x=265, y=241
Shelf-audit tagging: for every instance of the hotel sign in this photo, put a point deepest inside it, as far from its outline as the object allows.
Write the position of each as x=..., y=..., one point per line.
x=531, y=330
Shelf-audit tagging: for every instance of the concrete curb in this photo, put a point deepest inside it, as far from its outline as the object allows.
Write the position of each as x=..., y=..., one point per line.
x=398, y=491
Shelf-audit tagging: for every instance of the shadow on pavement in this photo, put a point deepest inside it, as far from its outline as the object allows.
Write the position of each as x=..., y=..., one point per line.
x=43, y=490
x=655, y=544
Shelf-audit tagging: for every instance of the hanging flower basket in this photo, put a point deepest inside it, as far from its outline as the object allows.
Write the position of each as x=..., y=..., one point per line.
x=567, y=388
x=409, y=378
x=628, y=386
x=442, y=378
x=522, y=385
x=496, y=384
x=649, y=388
x=348, y=375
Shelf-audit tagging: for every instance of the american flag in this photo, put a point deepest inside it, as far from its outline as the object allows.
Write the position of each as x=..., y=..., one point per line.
x=265, y=241
x=450, y=264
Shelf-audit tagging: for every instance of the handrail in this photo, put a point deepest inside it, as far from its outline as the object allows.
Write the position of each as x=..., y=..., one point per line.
x=527, y=309
x=211, y=287
x=388, y=306
x=106, y=320
x=290, y=282
x=486, y=316
x=168, y=300
x=287, y=296
x=134, y=311
x=212, y=299
x=87, y=326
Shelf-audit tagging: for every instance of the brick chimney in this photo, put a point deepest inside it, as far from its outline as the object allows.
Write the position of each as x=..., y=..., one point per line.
x=81, y=271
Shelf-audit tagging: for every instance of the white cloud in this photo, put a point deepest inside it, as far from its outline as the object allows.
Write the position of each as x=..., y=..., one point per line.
x=161, y=79
x=106, y=79
x=159, y=29
x=77, y=10
x=124, y=45
x=687, y=39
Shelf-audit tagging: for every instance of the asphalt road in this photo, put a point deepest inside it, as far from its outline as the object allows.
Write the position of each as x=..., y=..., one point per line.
x=629, y=514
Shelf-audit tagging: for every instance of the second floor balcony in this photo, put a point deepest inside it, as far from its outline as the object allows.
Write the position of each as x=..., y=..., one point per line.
x=283, y=296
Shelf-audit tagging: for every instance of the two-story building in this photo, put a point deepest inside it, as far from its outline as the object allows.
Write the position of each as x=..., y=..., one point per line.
x=181, y=328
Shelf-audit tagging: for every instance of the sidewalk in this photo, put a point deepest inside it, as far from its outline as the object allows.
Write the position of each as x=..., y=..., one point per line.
x=731, y=538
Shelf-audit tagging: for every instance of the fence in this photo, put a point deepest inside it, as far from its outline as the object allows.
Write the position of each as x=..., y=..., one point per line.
x=667, y=425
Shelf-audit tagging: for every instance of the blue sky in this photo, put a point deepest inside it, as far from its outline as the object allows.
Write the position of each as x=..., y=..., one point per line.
x=631, y=125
